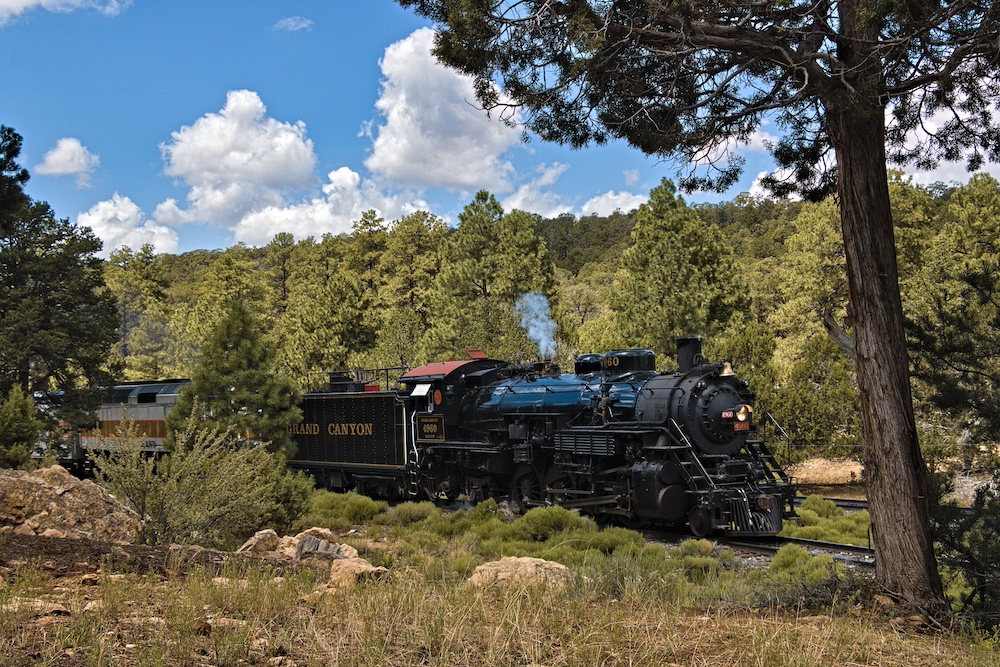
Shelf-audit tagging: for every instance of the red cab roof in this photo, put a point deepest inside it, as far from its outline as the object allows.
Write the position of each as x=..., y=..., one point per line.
x=438, y=369
x=441, y=370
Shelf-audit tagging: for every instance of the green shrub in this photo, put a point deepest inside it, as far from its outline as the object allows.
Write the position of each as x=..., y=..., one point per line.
x=822, y=520
x=208, y=491
x=541, y=523
x=352, y=507
x=695, y=548
x=408, y=513
x=823, y=508
x=967, y=544
x=797, y=579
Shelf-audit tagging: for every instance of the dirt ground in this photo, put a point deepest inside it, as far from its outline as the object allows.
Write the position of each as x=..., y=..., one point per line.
x=63, y=556
x=823, y=472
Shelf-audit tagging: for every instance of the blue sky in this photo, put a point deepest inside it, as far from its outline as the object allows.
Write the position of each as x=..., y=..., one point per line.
x=201, y=124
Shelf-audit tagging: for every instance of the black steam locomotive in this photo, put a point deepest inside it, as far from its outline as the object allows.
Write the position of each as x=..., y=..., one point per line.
x=615, y=439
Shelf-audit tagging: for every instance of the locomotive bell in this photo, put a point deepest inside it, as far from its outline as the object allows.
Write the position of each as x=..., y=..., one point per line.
x=727, y=370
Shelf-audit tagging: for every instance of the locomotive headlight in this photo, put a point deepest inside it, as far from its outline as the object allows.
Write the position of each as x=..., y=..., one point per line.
x=744, y=413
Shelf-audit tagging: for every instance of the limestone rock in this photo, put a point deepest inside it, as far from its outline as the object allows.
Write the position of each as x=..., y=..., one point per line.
x=346, y=572
x=513, y=572
x=262, y=541
x=52, y=502
x=321, y=533
x=286, y=547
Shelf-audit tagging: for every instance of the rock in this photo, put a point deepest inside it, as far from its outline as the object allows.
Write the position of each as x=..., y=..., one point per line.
x=884, y=601
x=226, y=582
x=94, y=606
x=310, y=545
x=347, y=551
x=53, y=503
x=90, y=579
x=321, y=533
x=35, y=607
x=510, y=572
x=262, y=541
x=346, y=572
x=286, y=547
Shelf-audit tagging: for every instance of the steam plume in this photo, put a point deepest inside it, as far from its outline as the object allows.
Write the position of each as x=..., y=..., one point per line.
x=535, y=320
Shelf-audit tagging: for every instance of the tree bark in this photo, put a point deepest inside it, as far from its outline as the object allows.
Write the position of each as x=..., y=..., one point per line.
x=894, y=468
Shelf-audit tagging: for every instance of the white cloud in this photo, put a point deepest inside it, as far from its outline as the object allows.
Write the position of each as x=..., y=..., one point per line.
x=293, y=24
x=631, y=177
x=11, y=8
x=69, y=158
x=237, y=161
x=346, y=197
x=119, y=222
x=945, y=172
x=612, y=201
x=533, y=198
x=434, y=134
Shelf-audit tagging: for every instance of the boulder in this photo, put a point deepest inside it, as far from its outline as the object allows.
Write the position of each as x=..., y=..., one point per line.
x=52, y=502
x=262, y=541
x=309, y=545
x=521, y=572
x=345, y=572
x=286, y=547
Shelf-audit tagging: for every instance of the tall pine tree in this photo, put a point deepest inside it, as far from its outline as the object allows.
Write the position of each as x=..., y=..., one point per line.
x=234, y=386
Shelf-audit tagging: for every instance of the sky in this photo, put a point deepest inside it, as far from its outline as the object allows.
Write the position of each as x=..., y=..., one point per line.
x=198, y=125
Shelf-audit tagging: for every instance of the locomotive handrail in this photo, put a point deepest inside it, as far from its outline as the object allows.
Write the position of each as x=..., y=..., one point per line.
x=694, y=455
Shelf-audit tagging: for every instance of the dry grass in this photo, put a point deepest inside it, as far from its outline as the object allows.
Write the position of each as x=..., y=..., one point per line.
x=250, y=617
x=824, y=472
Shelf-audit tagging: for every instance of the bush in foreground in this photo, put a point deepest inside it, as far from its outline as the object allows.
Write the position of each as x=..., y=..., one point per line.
x=205, y=492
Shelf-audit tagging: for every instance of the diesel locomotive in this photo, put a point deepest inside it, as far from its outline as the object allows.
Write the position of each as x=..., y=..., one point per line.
x=614, y=438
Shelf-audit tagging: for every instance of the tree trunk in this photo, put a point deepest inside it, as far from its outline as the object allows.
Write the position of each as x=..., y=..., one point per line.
x=894, y=467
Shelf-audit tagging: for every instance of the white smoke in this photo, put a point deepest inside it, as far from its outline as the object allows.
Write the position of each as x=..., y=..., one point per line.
x=535, y=320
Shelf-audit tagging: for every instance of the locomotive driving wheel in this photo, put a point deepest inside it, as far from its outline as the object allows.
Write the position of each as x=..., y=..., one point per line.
x=526, y=489
x=556, y=479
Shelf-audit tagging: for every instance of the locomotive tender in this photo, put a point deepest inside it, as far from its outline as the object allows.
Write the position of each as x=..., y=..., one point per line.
x=615, y=439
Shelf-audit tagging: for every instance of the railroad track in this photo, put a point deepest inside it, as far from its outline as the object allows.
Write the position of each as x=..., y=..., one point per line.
x=846, y=553
x=846, y=504
x=863, y=557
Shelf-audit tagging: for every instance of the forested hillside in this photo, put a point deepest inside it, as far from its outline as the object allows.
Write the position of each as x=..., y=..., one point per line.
x=762, y=281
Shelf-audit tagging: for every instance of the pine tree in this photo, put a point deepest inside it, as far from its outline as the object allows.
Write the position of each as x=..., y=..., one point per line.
x=234, y=386
x=20, y=427
x=679, y=278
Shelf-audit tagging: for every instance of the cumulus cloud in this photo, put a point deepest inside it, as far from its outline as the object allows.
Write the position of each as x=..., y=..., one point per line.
x=293, y=24
x=345, y=197
x=432, y=133
x=69, y=158
x=533, y=196
x=612, y=201
x=237, y=161
x=119, y=222
x=945, y=172
x=12, y=8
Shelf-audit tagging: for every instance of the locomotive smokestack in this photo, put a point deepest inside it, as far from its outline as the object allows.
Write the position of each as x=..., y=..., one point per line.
x=688, y=349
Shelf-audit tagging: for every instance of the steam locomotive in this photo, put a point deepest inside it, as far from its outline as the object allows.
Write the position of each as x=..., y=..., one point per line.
x=614, y=438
